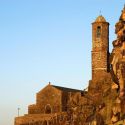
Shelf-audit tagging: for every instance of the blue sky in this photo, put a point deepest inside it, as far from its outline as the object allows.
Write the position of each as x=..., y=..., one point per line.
x=46, y=40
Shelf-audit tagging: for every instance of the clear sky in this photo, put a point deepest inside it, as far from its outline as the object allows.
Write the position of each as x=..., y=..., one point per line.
x=46, y=40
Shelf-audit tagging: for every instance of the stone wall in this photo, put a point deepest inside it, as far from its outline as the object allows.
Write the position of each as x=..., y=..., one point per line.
x=49, y=99
x=42, y=119
x=100, y=49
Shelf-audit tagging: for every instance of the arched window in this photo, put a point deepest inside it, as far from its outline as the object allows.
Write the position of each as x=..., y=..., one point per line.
x=48, y=109
x=98, y=32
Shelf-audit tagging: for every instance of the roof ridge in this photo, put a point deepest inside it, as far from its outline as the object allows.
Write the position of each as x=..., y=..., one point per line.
x=66, y=88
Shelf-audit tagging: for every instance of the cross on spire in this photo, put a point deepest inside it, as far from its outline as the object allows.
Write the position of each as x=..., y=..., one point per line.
x=100, y=12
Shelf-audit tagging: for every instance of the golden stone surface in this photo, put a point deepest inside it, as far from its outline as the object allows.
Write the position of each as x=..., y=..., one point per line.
x=100, y=19
x=103, y=102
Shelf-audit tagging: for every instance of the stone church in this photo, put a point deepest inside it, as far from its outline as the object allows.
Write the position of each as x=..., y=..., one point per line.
x=103, y=103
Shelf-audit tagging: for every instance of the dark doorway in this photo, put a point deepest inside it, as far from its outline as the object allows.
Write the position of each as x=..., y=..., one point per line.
x=48, y=109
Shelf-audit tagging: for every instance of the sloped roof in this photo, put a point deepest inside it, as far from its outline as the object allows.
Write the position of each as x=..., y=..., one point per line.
x=100, y=19
x=66, y=89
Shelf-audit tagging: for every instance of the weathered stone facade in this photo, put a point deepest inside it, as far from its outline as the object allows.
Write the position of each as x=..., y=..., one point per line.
x=100, y=47
x=52, y=99
x=104, y=101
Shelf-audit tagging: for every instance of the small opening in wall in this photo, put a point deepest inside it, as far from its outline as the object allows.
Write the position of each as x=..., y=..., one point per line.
x=48, y=109
x=82, y=93
x=98, y=33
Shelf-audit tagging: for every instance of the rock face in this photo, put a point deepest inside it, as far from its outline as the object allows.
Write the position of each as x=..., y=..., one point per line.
x=104, y=101
x=118, y=68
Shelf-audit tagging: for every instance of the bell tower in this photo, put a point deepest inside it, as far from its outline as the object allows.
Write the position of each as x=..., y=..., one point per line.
x=100, y=47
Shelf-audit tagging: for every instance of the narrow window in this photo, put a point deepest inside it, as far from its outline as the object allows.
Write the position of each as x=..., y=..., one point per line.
x=98, y=32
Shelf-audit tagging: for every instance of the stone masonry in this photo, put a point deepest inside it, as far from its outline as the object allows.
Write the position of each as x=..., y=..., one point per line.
x=103, y=102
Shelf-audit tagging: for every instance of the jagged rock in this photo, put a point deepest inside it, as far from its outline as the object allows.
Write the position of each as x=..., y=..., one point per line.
x=103, y=103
